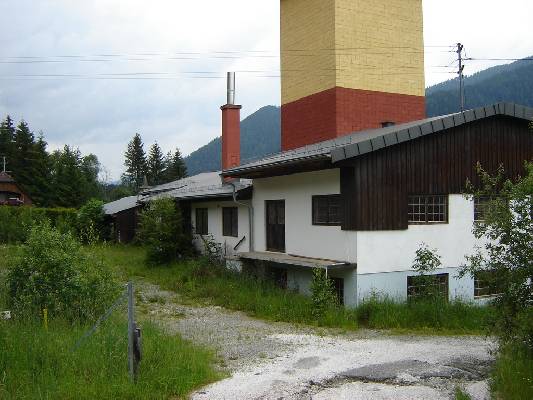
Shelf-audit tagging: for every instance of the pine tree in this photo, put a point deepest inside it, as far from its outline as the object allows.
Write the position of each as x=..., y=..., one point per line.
x=135, y=162
x=68, y=178
x=41, y=184
x=22, y=163
x=156, y=165
x=7, y=136
x=176, y=168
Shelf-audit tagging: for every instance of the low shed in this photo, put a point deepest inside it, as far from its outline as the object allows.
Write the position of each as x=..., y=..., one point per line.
x=123, y=214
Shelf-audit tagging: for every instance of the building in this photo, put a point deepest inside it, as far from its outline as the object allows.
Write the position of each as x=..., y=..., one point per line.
x=11, y=193
x=212, y=207
x=123, y=215
x=363, y=178
x=361, y=205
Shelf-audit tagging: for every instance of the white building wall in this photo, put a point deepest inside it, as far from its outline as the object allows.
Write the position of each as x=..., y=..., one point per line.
x=385, y=257
x=214, y=221
x=302, y=238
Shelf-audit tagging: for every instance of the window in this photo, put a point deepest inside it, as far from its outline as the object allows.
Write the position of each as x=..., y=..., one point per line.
x=327, y=210
x=480, y=208
x=338, y=288
x=428, y=209
x=419, y=284
x=230, y=221
x=201, y=221
x=486, y=284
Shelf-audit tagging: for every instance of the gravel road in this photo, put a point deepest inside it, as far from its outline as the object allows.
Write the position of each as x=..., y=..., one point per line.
x=282, y=361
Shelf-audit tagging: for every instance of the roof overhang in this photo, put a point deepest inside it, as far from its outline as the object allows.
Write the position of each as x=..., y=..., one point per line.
x=281, y=167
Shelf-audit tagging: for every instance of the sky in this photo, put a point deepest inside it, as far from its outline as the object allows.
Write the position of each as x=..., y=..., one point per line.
x=92, y=73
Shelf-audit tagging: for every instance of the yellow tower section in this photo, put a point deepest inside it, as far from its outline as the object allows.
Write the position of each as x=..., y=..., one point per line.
x=344, y=59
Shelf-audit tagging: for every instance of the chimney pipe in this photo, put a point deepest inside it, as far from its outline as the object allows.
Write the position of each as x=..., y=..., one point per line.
x=231, y=88
x=231, y=128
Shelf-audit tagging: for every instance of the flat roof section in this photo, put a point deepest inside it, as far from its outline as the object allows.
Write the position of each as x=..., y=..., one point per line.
x=307, y=262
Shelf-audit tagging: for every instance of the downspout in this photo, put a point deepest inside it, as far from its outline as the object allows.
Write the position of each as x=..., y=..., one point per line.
x=250, y=215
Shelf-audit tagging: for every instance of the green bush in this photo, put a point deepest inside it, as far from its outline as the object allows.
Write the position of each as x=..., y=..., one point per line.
x=52, y=272
x=16, y=222
x=322, y=293
x=161, y=231
x=90, y=222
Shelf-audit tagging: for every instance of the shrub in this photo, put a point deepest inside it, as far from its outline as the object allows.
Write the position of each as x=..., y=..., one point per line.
x=16, y=222
x=161, y=230
x=425, y=263
x=507, y=251
x=322, y=293
x=52, y=272
x=90, y=222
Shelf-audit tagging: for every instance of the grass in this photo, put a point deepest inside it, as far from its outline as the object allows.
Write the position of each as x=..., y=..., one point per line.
x=203, y=283
x=460, y=395
x=429, y=316
x=512, y=378
x=40, y=364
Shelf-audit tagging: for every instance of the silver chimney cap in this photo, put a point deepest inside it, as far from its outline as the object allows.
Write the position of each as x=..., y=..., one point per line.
x=231, y=88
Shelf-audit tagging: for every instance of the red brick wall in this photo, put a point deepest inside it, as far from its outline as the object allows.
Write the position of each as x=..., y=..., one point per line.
x=340, y=111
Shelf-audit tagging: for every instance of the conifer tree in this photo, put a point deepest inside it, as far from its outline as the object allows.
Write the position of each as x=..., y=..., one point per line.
x=41, y=185
x=135, y=162
x=22, y=163
x=176, y=168
x=156, y=165
x=7, y=135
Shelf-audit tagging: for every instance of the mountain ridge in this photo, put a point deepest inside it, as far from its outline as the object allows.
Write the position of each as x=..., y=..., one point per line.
x=261, y=131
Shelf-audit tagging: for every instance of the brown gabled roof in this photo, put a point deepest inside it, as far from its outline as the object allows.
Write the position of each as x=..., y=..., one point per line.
x=6, y=178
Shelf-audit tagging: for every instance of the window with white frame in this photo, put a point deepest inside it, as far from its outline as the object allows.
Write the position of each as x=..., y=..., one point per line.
x=427, y=209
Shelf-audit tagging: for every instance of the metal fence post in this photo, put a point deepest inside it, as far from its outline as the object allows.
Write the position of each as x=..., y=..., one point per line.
x=131, y=328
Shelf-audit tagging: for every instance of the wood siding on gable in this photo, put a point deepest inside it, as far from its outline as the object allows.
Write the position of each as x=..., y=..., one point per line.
x=375, y=186
x=13, y=188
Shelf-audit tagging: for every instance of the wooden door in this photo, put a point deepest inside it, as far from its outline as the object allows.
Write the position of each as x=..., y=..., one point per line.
x=275, y=225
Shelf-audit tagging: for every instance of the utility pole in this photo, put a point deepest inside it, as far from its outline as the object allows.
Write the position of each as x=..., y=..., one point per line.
x=4, y=170
x=460, y=49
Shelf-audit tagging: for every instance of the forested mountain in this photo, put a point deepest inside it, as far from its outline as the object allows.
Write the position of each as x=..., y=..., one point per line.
x=260, y=132
x=260, y=135
x=509, y=83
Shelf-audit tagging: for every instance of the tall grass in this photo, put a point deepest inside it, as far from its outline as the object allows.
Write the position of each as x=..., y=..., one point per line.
x=431, y=315
x=39, y=364
x=512, y=378
x=201, y=282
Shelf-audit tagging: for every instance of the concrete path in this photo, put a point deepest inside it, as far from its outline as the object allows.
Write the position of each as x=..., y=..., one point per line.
x=282, y=361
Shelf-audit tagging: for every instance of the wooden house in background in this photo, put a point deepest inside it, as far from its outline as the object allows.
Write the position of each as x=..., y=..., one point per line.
x=11, y=193
x=123, y=215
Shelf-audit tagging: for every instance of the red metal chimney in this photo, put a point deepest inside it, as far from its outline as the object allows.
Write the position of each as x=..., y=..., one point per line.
x=231, y=128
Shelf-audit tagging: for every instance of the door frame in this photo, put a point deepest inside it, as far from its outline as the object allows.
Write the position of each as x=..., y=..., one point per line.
x=269, y=248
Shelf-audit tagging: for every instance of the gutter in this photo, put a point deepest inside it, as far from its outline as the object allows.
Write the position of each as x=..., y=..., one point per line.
x=250, y=215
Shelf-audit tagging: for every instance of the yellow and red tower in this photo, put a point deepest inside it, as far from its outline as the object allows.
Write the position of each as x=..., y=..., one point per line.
x=349, y=65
